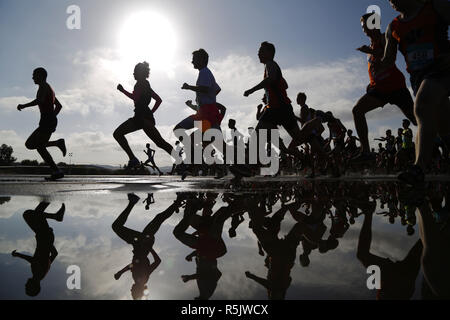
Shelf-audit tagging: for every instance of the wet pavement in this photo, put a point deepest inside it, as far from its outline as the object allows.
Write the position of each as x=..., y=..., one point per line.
x=160, y=238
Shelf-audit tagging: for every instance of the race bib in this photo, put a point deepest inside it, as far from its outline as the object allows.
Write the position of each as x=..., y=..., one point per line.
x=420, y=55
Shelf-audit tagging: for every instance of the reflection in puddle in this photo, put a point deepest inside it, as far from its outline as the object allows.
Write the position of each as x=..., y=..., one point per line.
x=308, y=240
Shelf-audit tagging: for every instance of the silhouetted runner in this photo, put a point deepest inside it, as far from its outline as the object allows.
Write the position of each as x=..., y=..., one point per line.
x=387, y=86
x=45, y=252
x=151, y=158
x=420, y=32
x=143, y=116
x=142, y=243
x=49, y=107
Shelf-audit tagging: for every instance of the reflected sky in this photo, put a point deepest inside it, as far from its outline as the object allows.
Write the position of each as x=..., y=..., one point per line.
x=319, y=223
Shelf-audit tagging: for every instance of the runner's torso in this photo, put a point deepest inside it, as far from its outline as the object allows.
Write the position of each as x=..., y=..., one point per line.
x=275, y=94
x=142, y=96
x=422, y=39
x=387, y=80
x=46, y=98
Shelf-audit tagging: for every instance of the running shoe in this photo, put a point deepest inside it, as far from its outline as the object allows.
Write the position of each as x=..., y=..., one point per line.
x=134, y=163
x=55, y=176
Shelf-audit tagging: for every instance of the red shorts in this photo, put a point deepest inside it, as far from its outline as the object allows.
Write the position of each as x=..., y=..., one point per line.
x=208, y=112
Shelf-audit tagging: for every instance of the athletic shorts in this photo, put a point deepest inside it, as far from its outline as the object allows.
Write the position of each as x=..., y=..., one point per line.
x=208, y=112
x=139, y=118
x=281, y=116
x=48, y=123
x=401, y=98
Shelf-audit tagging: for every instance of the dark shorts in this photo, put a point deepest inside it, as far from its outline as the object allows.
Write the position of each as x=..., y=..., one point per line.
x=401, y=98
x=48, y=123
x=139, y=119
x=417, y=77
x=281, y=116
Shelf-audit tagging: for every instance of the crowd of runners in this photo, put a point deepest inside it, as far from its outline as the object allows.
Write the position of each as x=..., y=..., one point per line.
x=420, y=33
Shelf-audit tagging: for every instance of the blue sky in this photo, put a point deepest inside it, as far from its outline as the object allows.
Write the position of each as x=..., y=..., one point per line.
x=315, y=41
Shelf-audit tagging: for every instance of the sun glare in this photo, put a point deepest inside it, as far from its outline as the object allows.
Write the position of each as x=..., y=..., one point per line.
x=148, y=36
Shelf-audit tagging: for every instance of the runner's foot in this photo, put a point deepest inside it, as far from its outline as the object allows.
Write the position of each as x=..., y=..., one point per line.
x=134, y=163
x=60, y=214
x=133, y=198
x=62, y=146
x=55, y=176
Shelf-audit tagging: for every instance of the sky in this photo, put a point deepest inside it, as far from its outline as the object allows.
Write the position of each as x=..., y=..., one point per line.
x=316, y=43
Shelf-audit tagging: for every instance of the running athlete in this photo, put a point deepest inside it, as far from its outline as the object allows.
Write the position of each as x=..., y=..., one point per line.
x=420, y=32
x=350, y=143
x=407, y=150
x=206, y=90
x=142, y=243
x=278, y=110
x=305, y=113
x=337, y=132
x=49, y=108
x=45, y=252
x=390, y=142
x=151, y=154
x=387, y=85
x=143, y=117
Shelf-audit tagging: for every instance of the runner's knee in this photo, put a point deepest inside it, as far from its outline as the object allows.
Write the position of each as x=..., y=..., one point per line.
x=117, y=134
x=31, y=145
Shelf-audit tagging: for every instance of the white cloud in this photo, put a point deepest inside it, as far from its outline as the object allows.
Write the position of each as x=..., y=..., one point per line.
x=9, y=104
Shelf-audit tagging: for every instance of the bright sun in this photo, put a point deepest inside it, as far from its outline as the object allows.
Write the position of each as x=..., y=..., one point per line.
x=148, y=36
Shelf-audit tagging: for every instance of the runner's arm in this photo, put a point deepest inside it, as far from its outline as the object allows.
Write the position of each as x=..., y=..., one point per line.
x=22, y=256
x=192, y=106
x=53, y=253
x=390, y=50
x=58, y=106
x=270, y=80
x=125, y=92
x=158, y=101
x=201, y=89
x=157, y=262
x=221, y=108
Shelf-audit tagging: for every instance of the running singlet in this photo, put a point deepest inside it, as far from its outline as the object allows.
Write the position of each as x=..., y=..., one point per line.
x=388, y=80
x=46, y=96
x=407, y=139
x=423, y=39
x=142, y=96
x=276, y=95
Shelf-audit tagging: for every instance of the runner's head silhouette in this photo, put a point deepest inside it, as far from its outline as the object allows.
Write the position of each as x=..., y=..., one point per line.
x=301, y=98
x=266, y=52
x=39, y=75
x=400, y=5
x=368, y=31
x=200, y=59
x=32, y=287
x=141, y=71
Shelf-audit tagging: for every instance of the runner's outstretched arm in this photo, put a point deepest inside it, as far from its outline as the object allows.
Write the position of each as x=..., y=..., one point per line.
x=201, y=89
x=27, y=105
x=125, y=92
x=22, y=256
